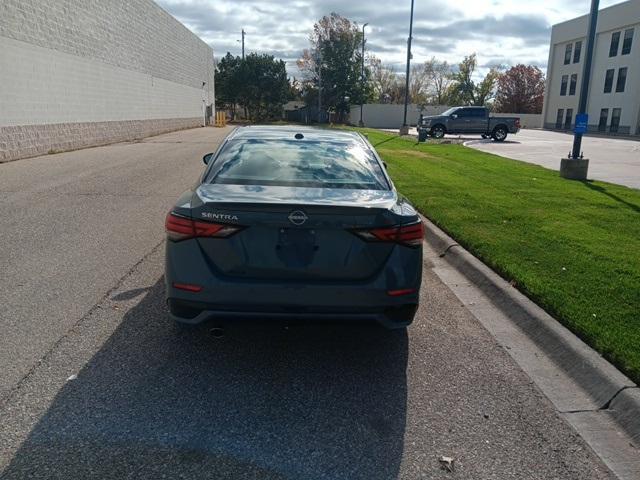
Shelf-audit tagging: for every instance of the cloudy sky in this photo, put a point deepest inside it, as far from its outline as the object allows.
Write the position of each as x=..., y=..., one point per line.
x=499, y=31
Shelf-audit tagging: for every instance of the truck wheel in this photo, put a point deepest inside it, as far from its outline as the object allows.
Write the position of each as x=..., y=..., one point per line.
x=437, y=131
x=499, y=134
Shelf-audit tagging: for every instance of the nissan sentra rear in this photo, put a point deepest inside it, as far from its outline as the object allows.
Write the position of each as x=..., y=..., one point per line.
x=292, y=222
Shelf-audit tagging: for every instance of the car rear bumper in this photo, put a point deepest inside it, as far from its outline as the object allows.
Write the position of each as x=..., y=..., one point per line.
x=221, y=296
x=194, y=313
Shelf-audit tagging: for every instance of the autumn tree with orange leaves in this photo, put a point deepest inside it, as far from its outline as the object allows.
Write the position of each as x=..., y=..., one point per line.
x=520, y=90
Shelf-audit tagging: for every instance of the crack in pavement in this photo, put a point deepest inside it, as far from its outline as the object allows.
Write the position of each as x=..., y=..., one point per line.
x=5, y=400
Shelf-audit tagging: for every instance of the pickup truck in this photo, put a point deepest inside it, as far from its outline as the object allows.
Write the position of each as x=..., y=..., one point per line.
x=467, y=120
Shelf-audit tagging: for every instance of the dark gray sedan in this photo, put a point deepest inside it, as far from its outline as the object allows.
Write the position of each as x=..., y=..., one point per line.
x=294, y=222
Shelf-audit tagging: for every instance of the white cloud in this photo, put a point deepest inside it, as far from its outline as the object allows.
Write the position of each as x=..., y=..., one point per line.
x=499, y=31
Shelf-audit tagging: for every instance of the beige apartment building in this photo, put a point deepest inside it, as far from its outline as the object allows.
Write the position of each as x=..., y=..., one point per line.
x=614, y=93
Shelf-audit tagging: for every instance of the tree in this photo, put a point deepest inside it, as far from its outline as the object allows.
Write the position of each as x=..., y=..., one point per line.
x=258, y=83
x=263, y=86
x=227, y=89
x=418, y=81
x=384, y=81
x=439, y=78
x=296, y=89
x=520, y=90
x=485, y=90
x=428, y=84
x=462, y=88
x=464, y=91
x=334, y=61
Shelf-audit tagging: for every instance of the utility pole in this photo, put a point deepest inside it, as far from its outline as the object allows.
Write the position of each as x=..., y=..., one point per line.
x=362, y=78
x=575, y=167
x=243, y=34
x=405, y=128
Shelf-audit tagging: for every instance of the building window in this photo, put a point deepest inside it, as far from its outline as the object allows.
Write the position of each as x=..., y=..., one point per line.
x=572, y=86
x=559, y=118
x=567, y=53
x=563, y=87
x=615, y=41
x=608, y=80
x=628, y=40
x=622, y=79
x=568, y=119
x=602, y=124
x=615, y=120
x=577, y=50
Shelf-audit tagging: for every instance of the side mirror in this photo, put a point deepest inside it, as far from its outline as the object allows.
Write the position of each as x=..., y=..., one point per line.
x=207, y=158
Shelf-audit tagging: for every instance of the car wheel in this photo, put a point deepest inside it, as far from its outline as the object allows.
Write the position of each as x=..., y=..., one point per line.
x=437, y=131
x=499, y=134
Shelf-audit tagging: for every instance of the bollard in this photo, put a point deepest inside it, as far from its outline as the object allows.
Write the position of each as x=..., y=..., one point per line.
x=221, y=119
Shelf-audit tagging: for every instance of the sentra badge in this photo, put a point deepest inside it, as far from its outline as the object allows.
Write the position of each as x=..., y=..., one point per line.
x=219, y=216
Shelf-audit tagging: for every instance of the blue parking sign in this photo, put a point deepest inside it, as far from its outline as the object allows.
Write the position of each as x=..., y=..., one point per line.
x=582, y=121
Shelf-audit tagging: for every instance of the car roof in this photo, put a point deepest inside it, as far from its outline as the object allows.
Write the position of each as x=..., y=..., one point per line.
x=286, y=132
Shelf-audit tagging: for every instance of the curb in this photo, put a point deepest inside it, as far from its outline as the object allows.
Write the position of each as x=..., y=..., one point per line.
x=602, y=387
x=625, y=410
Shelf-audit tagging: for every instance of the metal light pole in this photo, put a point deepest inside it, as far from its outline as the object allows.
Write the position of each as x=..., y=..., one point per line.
x=319, y=84
x=204, y=106
x=405, y=129
x=362, y=78
x=575, y=167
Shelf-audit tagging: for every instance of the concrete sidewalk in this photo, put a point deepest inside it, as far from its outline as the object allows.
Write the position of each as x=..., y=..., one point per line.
x=614, y=160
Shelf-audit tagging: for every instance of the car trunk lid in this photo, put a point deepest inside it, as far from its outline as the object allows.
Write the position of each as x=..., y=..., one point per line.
x=295, y=233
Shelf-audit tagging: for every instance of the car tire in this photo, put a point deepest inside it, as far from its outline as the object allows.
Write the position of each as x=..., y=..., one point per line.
x=499, y=134
x=438, y=131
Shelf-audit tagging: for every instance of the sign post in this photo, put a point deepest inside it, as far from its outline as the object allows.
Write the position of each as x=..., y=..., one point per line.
x=575, y=166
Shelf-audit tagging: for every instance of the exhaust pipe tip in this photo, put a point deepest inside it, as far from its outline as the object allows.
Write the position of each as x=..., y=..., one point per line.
x=216, y=332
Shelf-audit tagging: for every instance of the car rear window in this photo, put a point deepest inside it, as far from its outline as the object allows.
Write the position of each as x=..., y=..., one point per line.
x=298, y=163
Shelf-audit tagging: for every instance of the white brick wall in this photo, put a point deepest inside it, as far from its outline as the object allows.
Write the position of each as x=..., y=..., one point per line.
x=132, y=34
x=45, y=86
x=74, y=63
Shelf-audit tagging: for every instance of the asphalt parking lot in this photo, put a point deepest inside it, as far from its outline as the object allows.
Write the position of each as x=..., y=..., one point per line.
x=97, y=383
x=614, y=160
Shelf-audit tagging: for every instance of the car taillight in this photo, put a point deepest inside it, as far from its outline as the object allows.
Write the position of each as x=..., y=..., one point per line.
x=401, y=292
x=409, y=235
x=181, y=228
x=188, y=287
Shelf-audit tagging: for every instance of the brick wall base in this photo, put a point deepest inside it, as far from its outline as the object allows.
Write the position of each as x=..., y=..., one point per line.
x=24, y=141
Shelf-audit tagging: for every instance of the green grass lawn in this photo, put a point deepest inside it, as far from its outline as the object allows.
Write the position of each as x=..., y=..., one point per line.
x=572, y=247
